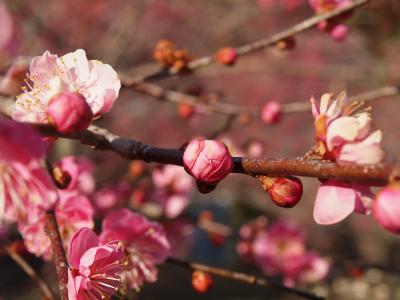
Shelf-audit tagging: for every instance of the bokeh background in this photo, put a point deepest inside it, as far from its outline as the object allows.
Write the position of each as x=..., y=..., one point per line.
x=365, y=259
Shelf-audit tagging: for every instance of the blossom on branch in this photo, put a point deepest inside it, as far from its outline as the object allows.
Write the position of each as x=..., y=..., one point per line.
x=145, y=242
x=25, y=187
x=96, y=267
x=51, y=75
x=344, y=135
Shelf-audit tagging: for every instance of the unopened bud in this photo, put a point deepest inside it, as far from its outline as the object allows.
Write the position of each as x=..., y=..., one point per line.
x=201, y=281
x=69, y=112
x=271, y=112
x=185, y=111
x=61, y=178
x=386, y=208
x=285, y=191
x=286, y=44
x=226, y=56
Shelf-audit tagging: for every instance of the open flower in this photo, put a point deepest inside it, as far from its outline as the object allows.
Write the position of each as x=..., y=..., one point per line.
x=145, y=242
x=73, y=211
x=50, y=75
x=96, y=268
x=343, y=133
x=173, y=187
x=25, y=187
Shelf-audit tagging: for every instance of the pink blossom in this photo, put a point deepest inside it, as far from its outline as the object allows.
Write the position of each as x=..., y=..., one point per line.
x=386, y=208
x=25, y=186
x=337, y=200
x=81, y=171
x=69, y=112
x=145, y=242
x=280, y=250
x=173, y=187
x=72, y=211
x=111, y=197
x=98, y=83
x=271, y=112
x=96, y=267
x=208, y=161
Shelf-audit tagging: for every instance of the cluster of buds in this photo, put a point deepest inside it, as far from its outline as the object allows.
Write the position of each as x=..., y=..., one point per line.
x=169, y=57
x=284, y=191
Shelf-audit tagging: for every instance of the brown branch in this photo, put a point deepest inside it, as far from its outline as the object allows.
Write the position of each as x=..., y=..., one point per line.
x=19, y=260
x=237, y=276
x=231, y=109
x=60, y=260
x=257, y=45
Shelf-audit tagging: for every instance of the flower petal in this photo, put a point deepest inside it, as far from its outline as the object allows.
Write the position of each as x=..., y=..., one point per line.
x=82, y=240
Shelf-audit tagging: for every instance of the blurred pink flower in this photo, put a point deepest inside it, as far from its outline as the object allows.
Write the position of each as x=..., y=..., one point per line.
x=25, y=186
x=98, y=83
x=334, y=27
x=173, y=187
x=81, y=171
x=386, y=208
x=10, y=32
x=69, y=112
x=111, y=197
x=145, y=242
x=337, y=200
x=208, y=161
x=73, y=212
x=96, y=268
x=271, y=112
x=280, y=250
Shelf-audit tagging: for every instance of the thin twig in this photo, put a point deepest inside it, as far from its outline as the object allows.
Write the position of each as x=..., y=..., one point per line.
x=60, y=260
x=237, y=276
x=19, y=260
x=257, y=45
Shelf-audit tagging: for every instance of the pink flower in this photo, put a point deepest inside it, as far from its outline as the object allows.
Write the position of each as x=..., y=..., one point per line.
x=69, y=112
x=337, y=200
x=208, y=161
x=25, y=186
x=337, y=30
x=173, y=187
x=280, y=250
x=96, y=268
x=81, y=171
x=386, y=208
x=145, y=242
x=108, y=198
x=98, y=83
x=271, y=112
x=73, y=212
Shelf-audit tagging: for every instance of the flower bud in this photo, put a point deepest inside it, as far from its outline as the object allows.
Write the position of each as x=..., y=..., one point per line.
x=62, y=178
x=69, y=112
x=201, y=281
x=339, y=32
x=226, y=56
x=288, y=43
x=186, y=111
x=386, y=208
x=208, y=161
x=271, y=112
x=286, y=192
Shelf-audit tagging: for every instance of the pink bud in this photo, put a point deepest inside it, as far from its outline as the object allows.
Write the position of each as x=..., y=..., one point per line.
x=271, y=112
x=339, y=32
x=208, y=161
x=286, y=192
x=227, y=56
x=386, y=208
x=69, y=112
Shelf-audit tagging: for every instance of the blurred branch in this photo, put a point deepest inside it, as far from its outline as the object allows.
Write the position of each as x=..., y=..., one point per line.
x=242, y=277
x=19, y=260
x=257, y=45
x=60, y=260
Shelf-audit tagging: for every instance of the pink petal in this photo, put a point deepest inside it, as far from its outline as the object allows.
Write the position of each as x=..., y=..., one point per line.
x=335, y=201
x=82, y=240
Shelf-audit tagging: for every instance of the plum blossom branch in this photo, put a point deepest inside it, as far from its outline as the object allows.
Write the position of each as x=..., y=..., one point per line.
x=60, y=260
x=257, y=45
x=232, y=109
x=18, y=259
x=237, y=276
